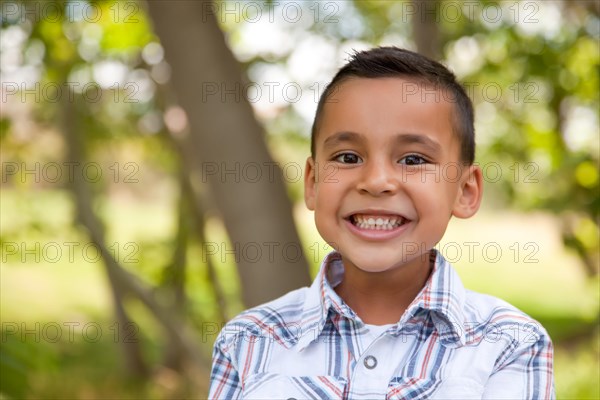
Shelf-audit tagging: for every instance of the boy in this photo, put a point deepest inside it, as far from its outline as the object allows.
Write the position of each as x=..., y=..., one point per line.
x=387, y=316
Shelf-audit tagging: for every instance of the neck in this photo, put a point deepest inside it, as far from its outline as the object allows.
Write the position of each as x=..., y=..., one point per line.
x=381, y=298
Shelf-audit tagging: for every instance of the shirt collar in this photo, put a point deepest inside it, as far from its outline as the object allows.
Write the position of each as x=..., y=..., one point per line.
x=442, y=297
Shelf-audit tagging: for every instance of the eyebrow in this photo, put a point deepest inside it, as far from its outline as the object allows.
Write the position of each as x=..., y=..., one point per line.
x=412, y=138
x=341, y=137
x=401, y=139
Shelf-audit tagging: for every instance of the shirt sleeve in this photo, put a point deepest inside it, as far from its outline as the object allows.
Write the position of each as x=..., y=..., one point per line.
x=526, y=374
x=224, y=378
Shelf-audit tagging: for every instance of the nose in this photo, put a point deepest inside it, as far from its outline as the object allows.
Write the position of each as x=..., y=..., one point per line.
x=378, y=178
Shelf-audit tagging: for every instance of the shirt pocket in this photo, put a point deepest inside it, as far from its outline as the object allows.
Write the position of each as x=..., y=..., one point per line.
x=265, y=386
x=427, y=388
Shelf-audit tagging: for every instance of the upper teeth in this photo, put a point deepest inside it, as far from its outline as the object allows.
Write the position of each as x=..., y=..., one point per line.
x=377, y=222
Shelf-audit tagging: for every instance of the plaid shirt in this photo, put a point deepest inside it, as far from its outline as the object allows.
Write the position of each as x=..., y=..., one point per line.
x=450, y=343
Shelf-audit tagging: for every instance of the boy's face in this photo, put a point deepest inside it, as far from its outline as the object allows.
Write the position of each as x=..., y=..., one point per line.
x=387, y=175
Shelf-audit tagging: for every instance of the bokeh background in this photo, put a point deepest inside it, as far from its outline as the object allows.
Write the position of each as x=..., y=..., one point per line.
x=152, y=157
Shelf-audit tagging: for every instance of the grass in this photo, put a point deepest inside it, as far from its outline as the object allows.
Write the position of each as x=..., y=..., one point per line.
x=552, y=288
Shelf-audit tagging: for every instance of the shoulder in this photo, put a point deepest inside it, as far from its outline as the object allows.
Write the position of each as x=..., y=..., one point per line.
x=279, y=319
x=516, y=346
x=490, y=319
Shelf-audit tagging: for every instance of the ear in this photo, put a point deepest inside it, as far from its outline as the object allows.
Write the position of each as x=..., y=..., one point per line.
x=469, y=193
x=310, y=183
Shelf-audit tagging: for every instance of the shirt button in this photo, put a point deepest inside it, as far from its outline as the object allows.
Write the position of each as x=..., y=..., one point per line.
x=370, y=362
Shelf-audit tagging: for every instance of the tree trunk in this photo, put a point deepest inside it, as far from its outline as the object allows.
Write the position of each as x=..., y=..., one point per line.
x=425, y=29
x=121, y=281
x=225, y=149
x=199, y=229
x=134, y=362
x=174, y=281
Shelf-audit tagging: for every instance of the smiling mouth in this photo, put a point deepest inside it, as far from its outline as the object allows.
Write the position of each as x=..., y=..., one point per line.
x=377, y=222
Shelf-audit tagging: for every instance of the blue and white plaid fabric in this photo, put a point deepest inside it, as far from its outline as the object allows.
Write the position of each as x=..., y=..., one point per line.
x=450, y=343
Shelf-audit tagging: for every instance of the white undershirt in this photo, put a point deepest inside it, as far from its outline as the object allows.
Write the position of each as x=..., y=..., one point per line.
x=374, y=331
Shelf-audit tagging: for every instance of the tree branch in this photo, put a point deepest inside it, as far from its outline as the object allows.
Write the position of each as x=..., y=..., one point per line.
x=121, y=280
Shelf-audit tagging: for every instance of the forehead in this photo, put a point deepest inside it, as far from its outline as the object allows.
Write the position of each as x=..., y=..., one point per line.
x=380, y=107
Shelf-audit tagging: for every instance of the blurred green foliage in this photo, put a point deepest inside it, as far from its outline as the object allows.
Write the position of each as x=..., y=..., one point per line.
x=533, y=75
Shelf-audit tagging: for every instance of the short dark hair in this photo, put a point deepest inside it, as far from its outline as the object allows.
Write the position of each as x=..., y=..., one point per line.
x=394, y=62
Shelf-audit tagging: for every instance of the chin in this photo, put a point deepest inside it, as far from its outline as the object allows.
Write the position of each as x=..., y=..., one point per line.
x=369, y=263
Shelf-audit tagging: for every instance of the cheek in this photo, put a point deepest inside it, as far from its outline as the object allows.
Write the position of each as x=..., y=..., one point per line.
x=421, y=190
x=431, y=195
x=327, y=187
x=326, y=226
x=324, y=210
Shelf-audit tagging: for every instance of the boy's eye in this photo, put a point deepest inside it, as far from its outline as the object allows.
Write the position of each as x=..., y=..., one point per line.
x=412, y=159
x=348, y=158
